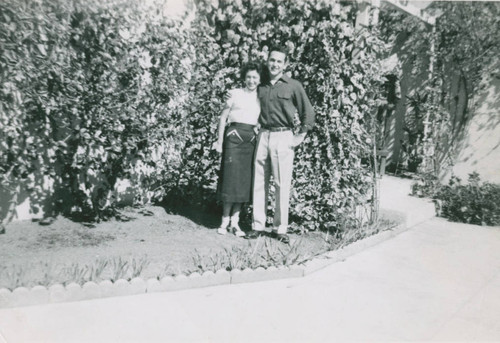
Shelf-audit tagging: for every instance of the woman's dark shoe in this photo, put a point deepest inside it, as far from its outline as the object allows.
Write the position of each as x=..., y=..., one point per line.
x=254, y=234
x=282, y=237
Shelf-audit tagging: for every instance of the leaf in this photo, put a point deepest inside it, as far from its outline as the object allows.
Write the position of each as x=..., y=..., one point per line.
x=42, y=50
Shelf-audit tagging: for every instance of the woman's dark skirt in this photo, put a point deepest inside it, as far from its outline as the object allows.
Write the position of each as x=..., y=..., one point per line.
x=236, y=173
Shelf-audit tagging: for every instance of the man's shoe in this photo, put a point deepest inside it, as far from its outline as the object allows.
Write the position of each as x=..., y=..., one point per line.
x=282, y=237
x=254, y=234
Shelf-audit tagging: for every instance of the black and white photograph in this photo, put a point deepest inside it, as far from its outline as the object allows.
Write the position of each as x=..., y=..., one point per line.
x=249, y=171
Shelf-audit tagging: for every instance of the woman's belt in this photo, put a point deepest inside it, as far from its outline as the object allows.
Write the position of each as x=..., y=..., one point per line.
x=242, y=125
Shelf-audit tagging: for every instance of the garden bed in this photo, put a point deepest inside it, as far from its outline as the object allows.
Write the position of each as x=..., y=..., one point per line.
x=149, y=246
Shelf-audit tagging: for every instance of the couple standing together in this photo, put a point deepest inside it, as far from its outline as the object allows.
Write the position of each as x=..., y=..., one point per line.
x=248, y=160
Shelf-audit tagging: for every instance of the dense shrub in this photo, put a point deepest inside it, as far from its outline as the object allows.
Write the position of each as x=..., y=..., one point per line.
x=340, y=73
x=90, y=92
x=473, y=203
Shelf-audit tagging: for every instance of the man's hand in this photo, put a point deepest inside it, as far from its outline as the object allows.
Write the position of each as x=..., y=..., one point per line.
x=217, y=147
x=298, y=139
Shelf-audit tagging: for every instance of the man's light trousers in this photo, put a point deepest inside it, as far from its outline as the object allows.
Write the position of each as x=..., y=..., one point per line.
x=274, y=155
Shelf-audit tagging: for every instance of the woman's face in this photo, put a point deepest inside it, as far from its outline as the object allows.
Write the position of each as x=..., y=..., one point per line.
x=252, y=79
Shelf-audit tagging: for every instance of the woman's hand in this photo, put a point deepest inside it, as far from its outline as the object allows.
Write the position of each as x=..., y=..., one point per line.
x=217, y=147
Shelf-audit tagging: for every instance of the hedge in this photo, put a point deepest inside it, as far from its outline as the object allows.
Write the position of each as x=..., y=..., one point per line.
x=93, y=92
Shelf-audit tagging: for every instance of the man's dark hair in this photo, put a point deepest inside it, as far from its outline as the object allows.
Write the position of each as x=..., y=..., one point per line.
x=279, y=48
x=249, y=67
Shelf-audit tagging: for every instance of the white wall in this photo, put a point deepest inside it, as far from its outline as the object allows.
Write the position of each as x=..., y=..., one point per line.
x=480, y=149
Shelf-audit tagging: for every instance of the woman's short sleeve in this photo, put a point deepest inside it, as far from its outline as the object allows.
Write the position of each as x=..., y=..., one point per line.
x=230, y=98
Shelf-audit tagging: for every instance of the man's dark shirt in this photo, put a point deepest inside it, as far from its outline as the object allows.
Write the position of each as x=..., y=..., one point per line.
x=280, y=102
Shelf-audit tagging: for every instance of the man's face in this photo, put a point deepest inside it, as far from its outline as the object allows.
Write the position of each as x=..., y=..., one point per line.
x=276, y=63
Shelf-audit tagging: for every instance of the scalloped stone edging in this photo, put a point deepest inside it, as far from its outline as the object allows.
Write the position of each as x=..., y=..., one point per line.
x=57, y=293
x=341, y=254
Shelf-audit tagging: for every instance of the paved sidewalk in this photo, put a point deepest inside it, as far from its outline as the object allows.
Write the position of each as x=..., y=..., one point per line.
x=437, y=281
x=395, y=195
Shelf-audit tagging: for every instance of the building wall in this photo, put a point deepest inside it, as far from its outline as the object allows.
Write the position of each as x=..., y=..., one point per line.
x=479, y=149
x=474, y=142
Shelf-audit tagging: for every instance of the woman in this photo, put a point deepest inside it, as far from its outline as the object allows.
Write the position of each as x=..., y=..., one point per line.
x=237, y=144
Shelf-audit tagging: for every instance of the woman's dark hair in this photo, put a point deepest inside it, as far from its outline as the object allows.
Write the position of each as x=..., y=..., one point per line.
x=249, y=67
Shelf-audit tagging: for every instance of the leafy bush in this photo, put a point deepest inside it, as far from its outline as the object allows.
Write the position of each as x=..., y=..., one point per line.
x=93, y=92
x=473, y=203
x=90, y=93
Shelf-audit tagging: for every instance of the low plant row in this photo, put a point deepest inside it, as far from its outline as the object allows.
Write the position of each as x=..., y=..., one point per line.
x=46, y=274
x=263, y=253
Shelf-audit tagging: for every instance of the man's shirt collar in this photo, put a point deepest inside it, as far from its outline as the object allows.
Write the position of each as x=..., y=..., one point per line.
x=283, y=78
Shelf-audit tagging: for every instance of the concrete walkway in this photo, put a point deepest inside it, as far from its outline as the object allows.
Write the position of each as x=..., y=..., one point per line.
x=438, y=281
x=394, y=195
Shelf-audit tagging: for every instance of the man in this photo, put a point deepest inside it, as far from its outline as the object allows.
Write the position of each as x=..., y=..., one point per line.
x=281, y=98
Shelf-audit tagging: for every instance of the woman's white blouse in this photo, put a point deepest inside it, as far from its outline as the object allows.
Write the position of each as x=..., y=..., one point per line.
x=244, y=106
